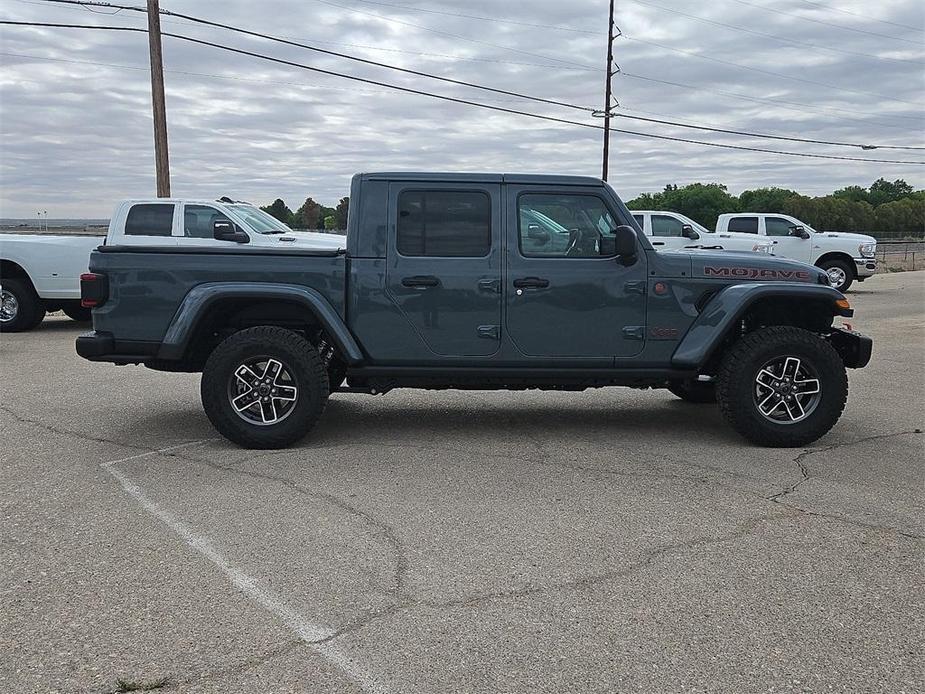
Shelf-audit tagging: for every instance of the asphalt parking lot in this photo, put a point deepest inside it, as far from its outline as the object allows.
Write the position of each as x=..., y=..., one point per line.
x=604, y=541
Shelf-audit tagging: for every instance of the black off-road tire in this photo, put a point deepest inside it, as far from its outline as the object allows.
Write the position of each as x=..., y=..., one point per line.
x=30, y=311
x=301, y=360
x=78, y=313
x=698, y=392
x=845, y=267
x=735, y=386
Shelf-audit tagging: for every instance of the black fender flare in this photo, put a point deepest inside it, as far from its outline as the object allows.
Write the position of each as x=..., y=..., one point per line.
x=201, y=297
x=730, y=304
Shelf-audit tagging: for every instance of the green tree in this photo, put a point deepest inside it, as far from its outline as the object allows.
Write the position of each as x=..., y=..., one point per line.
x=330, y=222
x=309, y=215
x=279, y=210
x=340, y=213
x=883, y=191
x=765, y=199
x=854, y=193
x=702, y=202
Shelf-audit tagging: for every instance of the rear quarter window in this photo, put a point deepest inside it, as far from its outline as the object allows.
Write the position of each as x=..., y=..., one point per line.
x=150, y=219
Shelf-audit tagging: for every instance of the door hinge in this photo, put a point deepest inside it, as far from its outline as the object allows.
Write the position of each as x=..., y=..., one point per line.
x=490, y=332
x=635, y=287
x=634, y=332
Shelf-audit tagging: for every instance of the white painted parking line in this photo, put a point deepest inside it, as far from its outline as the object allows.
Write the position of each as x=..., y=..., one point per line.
x=314, y=635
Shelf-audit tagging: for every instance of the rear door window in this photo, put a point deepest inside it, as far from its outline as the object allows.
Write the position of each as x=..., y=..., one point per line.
x=744, y=225
x=150, y=219
x=444, y=223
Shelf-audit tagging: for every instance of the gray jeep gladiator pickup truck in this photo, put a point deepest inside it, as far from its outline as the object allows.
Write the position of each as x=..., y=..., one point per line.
x=475, y=282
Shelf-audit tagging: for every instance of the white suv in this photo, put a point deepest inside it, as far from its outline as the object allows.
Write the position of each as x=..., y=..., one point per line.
x=845, y=257
x=670, y=231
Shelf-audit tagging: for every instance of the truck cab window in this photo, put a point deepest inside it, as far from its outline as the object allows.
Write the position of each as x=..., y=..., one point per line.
x=153, y=219
x=444, y=223
x=744, y=225
x=640, y=220
x=198, y=219
x=663, y=225
x=565, y=226
x=778, y=226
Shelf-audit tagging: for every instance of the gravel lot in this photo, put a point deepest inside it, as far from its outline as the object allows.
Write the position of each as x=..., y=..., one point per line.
x=460, y=542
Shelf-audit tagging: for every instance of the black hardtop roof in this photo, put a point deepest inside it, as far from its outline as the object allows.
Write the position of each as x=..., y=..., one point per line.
x=446, y=177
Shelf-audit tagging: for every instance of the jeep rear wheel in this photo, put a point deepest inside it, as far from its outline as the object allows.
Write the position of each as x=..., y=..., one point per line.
x=782, y=387
x=264, y=387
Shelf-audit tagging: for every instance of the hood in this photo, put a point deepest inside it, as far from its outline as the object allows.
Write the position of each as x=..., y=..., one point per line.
x=740, y=266
x=859, y=238
x=311, y=239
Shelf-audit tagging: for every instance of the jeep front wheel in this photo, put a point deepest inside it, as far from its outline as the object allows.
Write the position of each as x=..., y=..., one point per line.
x=782, y=387
x=264, y=387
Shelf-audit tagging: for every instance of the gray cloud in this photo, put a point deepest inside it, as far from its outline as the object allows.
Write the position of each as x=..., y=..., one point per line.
x=76, y=135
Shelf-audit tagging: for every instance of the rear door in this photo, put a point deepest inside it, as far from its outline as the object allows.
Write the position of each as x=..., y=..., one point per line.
x=564, y=300
x=444, y=265
x=148, y=224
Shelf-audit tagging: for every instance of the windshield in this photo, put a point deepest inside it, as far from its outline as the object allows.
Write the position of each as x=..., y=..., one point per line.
x=258, y=220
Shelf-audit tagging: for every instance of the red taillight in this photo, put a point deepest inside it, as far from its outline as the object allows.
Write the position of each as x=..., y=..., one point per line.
x=94, y=290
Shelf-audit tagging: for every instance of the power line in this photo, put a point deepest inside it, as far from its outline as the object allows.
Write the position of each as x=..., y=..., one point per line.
x=766, y=136
x=773, y=37
x=692, y=54
x=823, y=6
x=458, y=58
x=505, y=92
x=443, y=97
x=780, y=103
x=828, y=24
x=454, y=36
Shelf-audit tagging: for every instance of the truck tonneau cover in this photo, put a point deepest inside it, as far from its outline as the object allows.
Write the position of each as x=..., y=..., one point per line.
x=433, y=177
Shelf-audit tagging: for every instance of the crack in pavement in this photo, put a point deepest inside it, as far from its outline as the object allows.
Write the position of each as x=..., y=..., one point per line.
x=382, y=529
x=172, y=681
x=76, y=434
x=805, y=477
x=743, y=529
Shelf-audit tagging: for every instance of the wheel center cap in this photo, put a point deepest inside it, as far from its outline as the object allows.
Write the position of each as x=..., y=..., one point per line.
x=263, y=389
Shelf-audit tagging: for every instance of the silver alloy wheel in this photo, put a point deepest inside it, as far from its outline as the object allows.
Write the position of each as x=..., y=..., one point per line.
x=787, y=390
x=9, y=306
x=262, y=391
x=837, y=276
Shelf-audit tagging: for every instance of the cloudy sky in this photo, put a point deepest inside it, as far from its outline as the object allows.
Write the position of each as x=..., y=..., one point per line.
x=75, y=107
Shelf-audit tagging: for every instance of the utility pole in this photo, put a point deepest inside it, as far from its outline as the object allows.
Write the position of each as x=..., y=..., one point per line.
x=608, y=93
x=162, y=162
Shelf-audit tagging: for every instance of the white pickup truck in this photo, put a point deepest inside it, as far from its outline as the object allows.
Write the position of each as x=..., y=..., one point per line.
x=845, y=257
x=42, y=273
x=673, y=231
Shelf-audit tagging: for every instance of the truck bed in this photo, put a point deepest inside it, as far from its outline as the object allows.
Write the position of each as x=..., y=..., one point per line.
x=148, y=284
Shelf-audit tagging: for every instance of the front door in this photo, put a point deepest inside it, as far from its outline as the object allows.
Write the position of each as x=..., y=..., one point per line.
x=779, y=230
x=564, y=299
x=444, y=266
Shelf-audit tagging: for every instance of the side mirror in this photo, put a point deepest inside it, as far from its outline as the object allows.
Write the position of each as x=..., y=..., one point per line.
x=624, y=241
x=799, y=231
x=687, y=231
x=225, y=230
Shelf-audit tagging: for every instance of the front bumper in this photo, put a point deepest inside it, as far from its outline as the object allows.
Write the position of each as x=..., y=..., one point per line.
x=853, y=347
x=865, y=267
